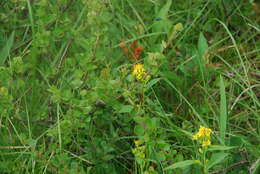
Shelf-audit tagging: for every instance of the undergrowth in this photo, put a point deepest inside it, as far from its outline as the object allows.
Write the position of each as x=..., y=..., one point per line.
x=129, y=86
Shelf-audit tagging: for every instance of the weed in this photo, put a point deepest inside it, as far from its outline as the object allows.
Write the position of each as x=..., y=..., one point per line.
x=122, y=86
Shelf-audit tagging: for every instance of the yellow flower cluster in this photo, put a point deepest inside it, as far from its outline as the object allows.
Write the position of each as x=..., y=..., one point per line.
x=203, y=132
x=139, y=72
x=203, y=136
x=139, y=150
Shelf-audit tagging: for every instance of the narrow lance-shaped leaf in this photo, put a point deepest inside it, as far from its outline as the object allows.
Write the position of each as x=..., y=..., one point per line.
x=181, y=164
x=223, y=111
x=201, y=58
x=6, y=50
x=220, y=147
x=202, y=45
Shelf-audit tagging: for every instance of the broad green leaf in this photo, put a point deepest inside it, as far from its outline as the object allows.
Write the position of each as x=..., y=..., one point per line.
x=6, y=50
x=160, y=156
x=219, y=147
x=181, y=164
x=216, y=158
x=223, y=111
x=125, y=109
x=139, y=130
x=163, y=24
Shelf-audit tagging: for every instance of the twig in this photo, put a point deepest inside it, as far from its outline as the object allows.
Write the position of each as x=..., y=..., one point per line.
x=254, y=27
x=254, y=166
x=76, y=156
x=64, y=53
x=41, y=122
x=14, y=147
x=229, y=167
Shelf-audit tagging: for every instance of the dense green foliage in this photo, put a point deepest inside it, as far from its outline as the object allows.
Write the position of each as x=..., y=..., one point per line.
x=70, y=104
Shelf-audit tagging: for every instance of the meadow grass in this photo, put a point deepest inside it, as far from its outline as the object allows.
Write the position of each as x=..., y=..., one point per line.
x=129, y=86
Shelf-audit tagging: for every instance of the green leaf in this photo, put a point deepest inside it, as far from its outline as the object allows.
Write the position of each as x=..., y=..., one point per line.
x=176, y=28
x=6, y=50
x=202, y=45
x=163, y=24
x=152, y=82
x=125, y=109
x=164, y=10
x=202, y=48
x=181, y=164
x=223, y=111
x=139, y=130
x=151, y=123
x=160, y=156
x=216, y=158
x=219, y=147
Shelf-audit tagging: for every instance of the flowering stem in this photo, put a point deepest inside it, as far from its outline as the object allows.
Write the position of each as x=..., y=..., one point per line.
x=205, y=170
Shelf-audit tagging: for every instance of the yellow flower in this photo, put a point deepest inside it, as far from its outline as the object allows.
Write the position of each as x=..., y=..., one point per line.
x=137, y=142
x=139, y=151
x=203, y=133
x=195, y=137
x=197, y=161
x=139, y=72
x=203, y=136
x=206, y=143
x=141, y=155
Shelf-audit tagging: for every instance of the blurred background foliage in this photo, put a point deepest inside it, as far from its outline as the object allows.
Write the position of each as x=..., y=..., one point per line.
x=69, y=104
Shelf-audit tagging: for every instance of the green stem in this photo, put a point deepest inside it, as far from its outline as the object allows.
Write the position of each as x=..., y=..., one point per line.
x=205, y=170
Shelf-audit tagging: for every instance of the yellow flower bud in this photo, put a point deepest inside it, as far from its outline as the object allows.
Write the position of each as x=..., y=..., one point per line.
x=206, y=143
x=139, y=72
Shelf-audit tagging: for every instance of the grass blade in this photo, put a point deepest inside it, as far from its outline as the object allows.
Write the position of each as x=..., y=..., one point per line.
x=31, y=15
x=6, y=50
x=223, y=111
x=181, y=164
